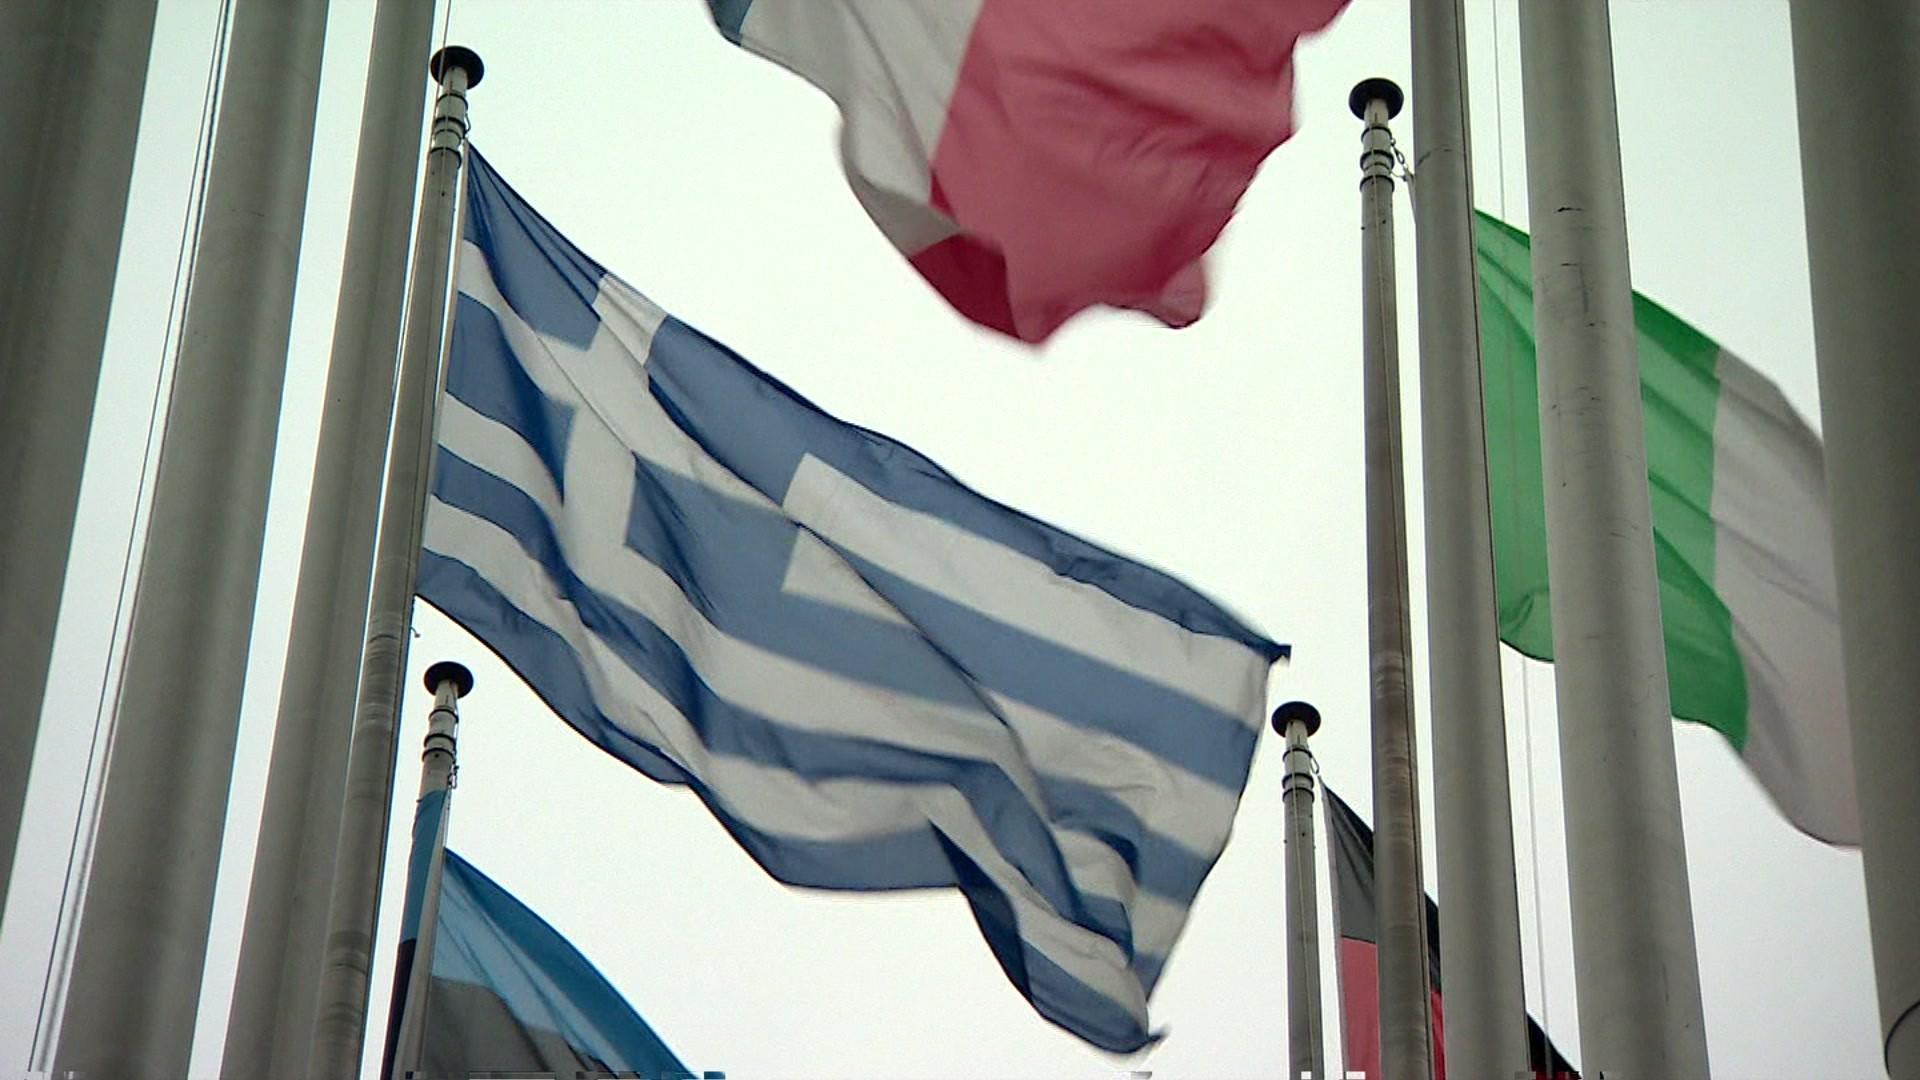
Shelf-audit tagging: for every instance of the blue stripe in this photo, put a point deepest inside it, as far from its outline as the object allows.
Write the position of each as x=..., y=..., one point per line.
x=548, y=281
x=492, y=383
x=1014, y=827
x=542, y=659
x=1076, y=687
x=1057, y=995
x=1157, y=863
x=909, y=859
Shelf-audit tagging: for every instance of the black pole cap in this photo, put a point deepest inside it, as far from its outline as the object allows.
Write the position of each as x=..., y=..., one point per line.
x=1286, y=714
x=457, y=56
x=1368, y=90
x=450, y=671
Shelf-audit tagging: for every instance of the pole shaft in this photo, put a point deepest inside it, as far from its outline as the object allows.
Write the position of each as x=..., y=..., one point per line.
x=142, y=940
x=437, y=762
x=1635, y=966
x=340, y=1015
x=73, y=74
x=270, y=1028
x=1305, y=1043
x=1405, y=994
x=1473, y=809
x=1857, y=78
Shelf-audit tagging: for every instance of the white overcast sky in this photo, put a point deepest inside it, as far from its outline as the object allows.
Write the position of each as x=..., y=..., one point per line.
x=1229, y=453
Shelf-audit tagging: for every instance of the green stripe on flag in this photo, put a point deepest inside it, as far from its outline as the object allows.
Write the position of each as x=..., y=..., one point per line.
x=1681, y=393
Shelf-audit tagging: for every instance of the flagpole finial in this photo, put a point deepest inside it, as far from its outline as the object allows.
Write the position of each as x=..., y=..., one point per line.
x=458, y=56
x=1285, y=715
x=450, y=671
x=1382, y=90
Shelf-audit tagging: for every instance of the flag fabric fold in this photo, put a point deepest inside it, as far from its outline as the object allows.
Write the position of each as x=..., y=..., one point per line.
x=510, y=995
x=875, y=677
x=1355, y=929
x=1034, y=159
x=1742, y=539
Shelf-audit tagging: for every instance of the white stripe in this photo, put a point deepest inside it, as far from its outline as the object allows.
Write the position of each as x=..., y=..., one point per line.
x=773, y=800
x=891, y=66
x=1773, y=567
x=1191, y=810
x=495, y=448
x=1022, y=592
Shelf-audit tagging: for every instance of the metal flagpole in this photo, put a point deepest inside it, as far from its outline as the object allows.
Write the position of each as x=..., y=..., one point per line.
x=1297, y=721
x=270, y=1028
x=141, y=945
x=72, y=74
x=1406, y=1022
x=449, y=682
x=1857, y=78
x=1472, y=805
x=1635, y=966
x=340, y=1014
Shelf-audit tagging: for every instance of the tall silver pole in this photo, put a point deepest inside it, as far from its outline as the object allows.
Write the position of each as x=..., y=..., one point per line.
x=449, y=682
x=270, y=1028
x=1486, y=1031
x=135, y=985
x=1296, y=721
x=1406, y=1022
x=1635, y=966
x=72, y=77
x=1857, y=77
x=341, y=1013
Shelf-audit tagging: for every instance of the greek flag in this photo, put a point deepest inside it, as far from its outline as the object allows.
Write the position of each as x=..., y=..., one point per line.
x=874, y=676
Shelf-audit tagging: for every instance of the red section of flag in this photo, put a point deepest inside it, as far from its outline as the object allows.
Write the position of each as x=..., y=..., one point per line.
x=1360, y=1011
x=1359, y=1006
x=1094, y=149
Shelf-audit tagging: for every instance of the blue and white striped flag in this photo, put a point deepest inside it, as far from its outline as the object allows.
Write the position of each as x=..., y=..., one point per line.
x=875, y=677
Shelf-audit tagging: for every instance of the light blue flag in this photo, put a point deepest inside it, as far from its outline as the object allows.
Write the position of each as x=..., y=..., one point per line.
x=874, y=676
x=510, y=996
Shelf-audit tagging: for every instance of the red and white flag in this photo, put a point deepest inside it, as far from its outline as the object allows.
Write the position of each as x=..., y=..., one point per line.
x=1032, y=158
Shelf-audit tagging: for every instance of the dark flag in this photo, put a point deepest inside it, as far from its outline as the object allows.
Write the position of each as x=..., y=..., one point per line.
x=1355, y=928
